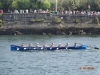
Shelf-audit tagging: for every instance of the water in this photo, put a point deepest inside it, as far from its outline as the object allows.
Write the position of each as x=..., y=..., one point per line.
x=66, y=62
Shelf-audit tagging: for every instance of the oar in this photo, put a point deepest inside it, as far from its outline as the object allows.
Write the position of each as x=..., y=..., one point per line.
x=93, y=47
x=96, y=48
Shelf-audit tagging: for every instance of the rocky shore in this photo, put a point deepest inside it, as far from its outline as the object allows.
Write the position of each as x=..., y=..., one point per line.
x=48, y=24
x=49, y=29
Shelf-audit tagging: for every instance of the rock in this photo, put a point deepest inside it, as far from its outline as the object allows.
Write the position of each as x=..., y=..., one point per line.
x=58, y=32
x=63, y=33
x=49, y=33
x=17, y=33
x=70, y=33
x=83, y=33
x=44, y=33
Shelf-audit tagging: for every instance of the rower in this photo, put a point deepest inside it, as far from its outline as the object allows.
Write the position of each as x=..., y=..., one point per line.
x=67, y=45
x=30, y=45
x=75, y=44
x=45, y=45
x=60, y=45
x=37, y=45
x=23, y=45
x=52, y=45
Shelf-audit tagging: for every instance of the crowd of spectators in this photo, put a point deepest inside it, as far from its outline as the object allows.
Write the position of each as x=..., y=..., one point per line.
x=30, y=11
x=80, y=12
x=58, y=13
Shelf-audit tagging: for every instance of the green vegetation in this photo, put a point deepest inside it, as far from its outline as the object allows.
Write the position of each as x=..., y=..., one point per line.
x=36, y=20
x=0, y=23
x=57, y=20
x=78, y=4
x=50, y=4
x=77, y=21
x=96, y=20
x=24, y=4
x=0, y=20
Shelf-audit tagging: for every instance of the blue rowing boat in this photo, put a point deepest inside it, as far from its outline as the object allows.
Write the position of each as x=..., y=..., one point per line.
x=20, y=48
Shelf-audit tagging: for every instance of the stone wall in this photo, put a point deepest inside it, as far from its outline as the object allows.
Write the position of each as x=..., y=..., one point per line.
x=26, y=17
x=17, y=24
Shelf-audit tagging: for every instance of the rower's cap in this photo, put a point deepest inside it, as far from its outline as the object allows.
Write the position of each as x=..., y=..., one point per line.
x=52, y=43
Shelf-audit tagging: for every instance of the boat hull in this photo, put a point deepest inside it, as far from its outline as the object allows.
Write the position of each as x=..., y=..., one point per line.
x=19, y=48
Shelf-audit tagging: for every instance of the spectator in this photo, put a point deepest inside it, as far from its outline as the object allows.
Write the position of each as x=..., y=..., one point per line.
x=26, y=10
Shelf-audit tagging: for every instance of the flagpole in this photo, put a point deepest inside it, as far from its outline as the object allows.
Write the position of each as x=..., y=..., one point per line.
x=56, y=6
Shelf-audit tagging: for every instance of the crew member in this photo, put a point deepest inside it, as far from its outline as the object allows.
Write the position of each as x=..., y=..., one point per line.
x=30, y=45
x=45, y=45
x=23, y=45
x=60, y=45
x=52, y=45
x=37, y=45
x=67, y=45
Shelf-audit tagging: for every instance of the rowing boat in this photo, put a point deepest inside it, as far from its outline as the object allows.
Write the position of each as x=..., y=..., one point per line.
x=20, y=48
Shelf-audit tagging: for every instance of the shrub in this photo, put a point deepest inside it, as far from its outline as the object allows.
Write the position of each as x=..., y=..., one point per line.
x=0, y=15
x=77, y=21
x=0, y=24
x=56, y=20
x=36, y=20
x=96, y=20
x=32, y=20
x=0, y=21
x=39, y=20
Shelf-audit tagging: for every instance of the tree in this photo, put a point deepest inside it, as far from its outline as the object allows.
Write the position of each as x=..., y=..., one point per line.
x=44, y=4
x=1, y=5
x=6, y=4
x=34, y=5
x=68, y=4
x=23, y=4
x=52, y=6
x=14, y=5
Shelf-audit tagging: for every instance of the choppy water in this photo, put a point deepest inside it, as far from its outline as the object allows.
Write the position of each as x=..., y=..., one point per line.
x=69, y=62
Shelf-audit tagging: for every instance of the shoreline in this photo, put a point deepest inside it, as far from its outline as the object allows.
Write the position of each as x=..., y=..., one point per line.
x=48, y=24
x=49, y=29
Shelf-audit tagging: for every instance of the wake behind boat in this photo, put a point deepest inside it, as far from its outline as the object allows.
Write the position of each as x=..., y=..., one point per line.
x=20, y=48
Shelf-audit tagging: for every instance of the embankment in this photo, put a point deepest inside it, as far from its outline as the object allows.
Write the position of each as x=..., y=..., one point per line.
x=48, y=29
x=25, y=24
